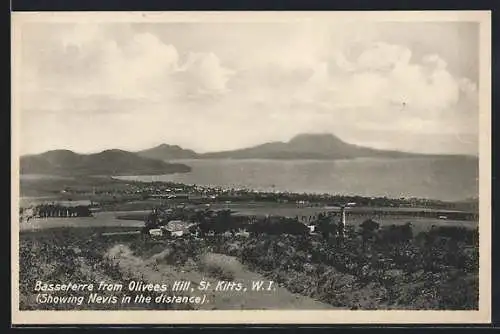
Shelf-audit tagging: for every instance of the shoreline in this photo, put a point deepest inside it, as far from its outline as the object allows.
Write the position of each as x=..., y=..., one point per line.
x=133, y=190
x=279, y=192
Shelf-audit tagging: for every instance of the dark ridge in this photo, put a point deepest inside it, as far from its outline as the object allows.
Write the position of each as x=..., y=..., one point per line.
x=108, y=162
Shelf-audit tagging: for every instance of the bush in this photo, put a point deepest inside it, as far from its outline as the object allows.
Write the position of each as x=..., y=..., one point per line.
x=219, y=266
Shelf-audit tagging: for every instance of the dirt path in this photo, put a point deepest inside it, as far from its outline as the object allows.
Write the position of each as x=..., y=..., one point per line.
x=153, y=271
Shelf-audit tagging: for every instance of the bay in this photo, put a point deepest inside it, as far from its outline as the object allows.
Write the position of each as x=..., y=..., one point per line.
x=441, y=178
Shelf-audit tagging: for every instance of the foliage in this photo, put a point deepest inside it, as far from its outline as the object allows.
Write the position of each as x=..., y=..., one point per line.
x=371, y=268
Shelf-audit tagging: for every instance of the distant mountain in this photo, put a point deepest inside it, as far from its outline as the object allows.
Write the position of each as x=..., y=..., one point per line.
x=307, y=146
x=168, y=152
x=109, y=162
x=151, y=161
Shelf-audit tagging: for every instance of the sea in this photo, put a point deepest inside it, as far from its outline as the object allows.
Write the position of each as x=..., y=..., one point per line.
x=439, y=178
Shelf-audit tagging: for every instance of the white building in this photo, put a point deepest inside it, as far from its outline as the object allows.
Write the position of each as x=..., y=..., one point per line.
x=156, y=232
x=177, y=228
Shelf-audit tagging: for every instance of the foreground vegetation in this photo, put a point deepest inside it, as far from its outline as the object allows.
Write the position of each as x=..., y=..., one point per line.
x=423, y=272
x=370, y=268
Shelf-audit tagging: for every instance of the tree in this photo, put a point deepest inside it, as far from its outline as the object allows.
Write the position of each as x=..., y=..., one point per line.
x=223, y=221
x=368, y=230
x=151, y=220
x=326, y=226
x=397, y=234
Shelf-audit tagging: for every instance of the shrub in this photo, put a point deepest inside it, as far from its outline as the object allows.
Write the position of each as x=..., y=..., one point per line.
x=219, y=266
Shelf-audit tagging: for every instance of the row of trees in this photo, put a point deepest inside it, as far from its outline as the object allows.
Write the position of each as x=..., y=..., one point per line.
x=219, y=222
x=56, y=210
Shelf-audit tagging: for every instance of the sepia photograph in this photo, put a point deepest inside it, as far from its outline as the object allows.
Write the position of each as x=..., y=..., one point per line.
x=332, y=165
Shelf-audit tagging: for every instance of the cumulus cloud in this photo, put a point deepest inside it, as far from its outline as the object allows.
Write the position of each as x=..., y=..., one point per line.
x=203, y=74
x=87, y=61
x=383, y=56
x=386, y=84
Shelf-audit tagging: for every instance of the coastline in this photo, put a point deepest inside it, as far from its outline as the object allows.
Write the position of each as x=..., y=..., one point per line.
x=54, y=188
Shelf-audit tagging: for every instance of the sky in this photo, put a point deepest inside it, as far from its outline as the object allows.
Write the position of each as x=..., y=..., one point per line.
x=410, y=86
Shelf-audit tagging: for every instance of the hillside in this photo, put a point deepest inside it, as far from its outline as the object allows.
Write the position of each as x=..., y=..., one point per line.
x=109, y=162
x=307, y=146
x=168, y=152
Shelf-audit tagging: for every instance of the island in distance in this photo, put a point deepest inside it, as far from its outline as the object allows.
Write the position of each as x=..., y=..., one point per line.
x=302, y=146
x=108, y=162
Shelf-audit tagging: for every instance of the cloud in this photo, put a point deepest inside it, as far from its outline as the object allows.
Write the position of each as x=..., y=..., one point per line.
x=252, y=87
x=382, y=56
x=88, y=62
x=385, y=81
x=384, y=88
x=385, y=74
x=202, y=73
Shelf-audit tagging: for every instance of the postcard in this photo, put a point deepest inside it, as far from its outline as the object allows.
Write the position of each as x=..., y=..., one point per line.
x=251, y=167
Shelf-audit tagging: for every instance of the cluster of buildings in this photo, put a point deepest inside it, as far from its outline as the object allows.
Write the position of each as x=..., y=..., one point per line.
x=167, y=224
x=174, y=228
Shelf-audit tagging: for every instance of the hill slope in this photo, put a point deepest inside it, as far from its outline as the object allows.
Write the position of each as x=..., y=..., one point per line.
x=307, y=146
x=109, y=162
x=168, y=152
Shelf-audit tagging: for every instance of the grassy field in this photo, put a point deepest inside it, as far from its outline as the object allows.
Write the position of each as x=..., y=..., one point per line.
x=99, y=220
